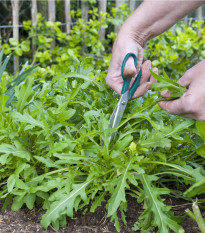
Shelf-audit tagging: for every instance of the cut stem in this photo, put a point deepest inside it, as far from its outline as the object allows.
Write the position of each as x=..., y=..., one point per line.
x=198, y=216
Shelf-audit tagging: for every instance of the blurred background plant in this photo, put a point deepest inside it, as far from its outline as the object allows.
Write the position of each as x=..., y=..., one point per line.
x=62, y=75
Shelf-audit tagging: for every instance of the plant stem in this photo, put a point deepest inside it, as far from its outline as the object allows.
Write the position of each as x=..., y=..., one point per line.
x=190, y=214
x=198, y=216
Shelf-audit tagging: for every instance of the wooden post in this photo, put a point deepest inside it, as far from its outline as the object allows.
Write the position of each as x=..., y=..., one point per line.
x=117, y=5
x=67, y=16
x=102, y=8
x=34, y=21
x=43, y=8
x=52, y=15
x=34, y=12
x=15, y=15
x=199, y=17
x=84, y=7
x=51, y=10
x=132, y=5
x=199, y=13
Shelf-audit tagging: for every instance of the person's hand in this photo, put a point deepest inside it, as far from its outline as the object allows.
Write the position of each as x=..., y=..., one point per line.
x=122, y=46
x=192, y=103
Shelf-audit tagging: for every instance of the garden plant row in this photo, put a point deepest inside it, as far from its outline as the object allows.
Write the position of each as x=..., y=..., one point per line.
x=54, y=127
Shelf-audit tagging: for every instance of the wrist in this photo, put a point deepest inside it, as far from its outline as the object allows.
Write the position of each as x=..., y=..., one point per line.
x=135, y=30
x=137, y=34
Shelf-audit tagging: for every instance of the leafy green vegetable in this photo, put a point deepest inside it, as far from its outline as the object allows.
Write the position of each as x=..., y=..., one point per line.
x=54, y=129
x=165, y=83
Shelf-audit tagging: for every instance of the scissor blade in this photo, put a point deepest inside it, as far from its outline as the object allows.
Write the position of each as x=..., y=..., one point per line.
x=118, y=113
x=113, y=116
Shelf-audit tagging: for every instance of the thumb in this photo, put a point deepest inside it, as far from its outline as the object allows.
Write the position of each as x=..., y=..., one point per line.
x=173, y=107
x=130, y=69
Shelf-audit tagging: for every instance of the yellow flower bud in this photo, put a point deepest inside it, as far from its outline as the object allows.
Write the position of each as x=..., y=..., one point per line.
x=132, y=146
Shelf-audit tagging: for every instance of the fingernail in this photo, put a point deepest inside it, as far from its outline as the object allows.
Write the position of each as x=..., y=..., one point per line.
x=164, y=92
x=155, y=70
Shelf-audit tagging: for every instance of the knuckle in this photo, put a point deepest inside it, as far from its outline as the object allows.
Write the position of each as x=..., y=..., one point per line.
x=189, y=74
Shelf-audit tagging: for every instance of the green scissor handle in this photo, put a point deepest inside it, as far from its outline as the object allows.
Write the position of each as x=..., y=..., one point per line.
x=127, y=81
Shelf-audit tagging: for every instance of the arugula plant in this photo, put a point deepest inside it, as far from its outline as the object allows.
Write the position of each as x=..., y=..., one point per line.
x=53, y=121
x=51, y=151
x=165, y=83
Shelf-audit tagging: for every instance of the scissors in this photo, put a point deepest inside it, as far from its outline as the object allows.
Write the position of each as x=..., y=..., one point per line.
x=125, y=95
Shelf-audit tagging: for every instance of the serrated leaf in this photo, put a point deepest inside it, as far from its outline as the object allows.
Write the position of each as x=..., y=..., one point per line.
x=24, y=95
x=179, y=126
x=120, y=145
x=118, y=194
x=17, y=150
x=165, y=83
x=98, y=201
x=84, y=77
x=66, y=115
x=200, y=125
x=26, y=118
x=155, y=208
x=47, y=162
x=201, y=150
x=65, y=204
x=155, y=140
x=11, y=86
x=196, y=189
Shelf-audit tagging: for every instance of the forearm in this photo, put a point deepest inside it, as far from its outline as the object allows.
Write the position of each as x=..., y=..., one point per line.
x=153, y=17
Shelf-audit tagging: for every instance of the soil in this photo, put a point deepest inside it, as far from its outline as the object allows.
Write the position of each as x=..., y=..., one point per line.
x=28, y=221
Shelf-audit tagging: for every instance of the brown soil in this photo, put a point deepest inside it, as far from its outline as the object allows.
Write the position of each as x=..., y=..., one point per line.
x=28, y=221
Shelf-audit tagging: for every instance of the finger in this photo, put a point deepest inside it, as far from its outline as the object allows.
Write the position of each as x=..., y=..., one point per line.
x=173, y=107
x=186, y=79
x=198, y=117
x=144, y=87
x=139, y=58
x=166, y=94
x=115, y=83
x=130, y=69
x=152, y=79
x=189, y=115
x=145, y=71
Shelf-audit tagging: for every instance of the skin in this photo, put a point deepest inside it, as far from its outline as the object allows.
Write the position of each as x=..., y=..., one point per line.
x=150, y=19
x=192, y=103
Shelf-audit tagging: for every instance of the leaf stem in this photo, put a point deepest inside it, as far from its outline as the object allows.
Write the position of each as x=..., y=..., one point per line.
x=198, y=217
x=190, y=214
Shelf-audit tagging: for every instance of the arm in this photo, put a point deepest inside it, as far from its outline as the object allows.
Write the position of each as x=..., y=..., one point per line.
x=153, y=17
x=150, y=19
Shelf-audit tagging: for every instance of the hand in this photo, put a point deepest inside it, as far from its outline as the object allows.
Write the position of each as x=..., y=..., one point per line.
x=192, y=103
x=122, y=46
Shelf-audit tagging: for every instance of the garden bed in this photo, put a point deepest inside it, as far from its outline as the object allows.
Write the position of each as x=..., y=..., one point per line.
x=28, y=221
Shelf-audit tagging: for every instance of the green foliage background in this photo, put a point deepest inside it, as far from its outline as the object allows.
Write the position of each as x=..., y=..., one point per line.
x=54, y=132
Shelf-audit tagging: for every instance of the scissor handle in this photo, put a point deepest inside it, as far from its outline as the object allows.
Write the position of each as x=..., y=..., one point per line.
x=127, y=81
